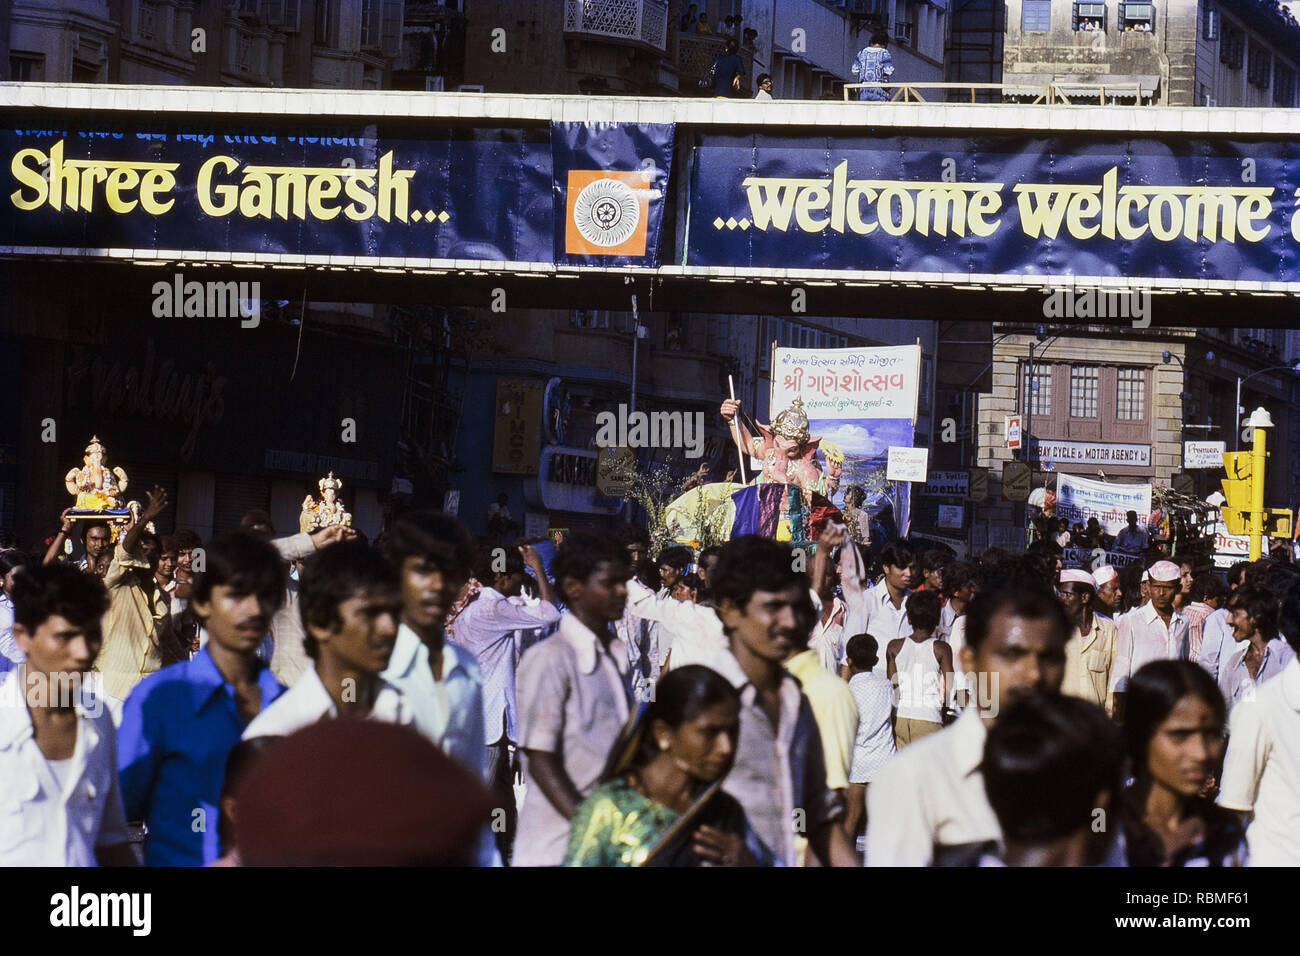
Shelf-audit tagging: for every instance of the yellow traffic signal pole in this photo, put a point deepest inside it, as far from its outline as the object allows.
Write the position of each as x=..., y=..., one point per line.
x=1257, y=484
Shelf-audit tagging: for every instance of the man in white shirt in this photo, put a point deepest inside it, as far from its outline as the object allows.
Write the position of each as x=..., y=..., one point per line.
x=1217, y=640
x=1152, y=632
x=1206, y=595
x=1261, y=771
x=440, y=681
x=1260, y=654
x=929, y=801
x=696, y=630
x=881, y=610
x=289, y=658
x=59, y=799
x=574, y=696
x=764, y=84
x=779, y=774
x=350, y=602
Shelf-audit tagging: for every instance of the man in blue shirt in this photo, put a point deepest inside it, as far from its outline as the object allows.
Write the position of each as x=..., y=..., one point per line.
x=179, y=724
x=727, y=71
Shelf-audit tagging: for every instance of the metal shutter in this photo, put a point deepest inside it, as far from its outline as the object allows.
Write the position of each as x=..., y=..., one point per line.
x=235, y=495
x=141, y=477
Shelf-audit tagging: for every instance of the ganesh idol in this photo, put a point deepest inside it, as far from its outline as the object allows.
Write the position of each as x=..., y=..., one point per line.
x=96, y=486
x=788, y=452
x=326, y=512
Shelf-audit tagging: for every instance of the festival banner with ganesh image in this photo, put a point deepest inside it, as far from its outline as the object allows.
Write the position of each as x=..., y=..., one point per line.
x=861, y=402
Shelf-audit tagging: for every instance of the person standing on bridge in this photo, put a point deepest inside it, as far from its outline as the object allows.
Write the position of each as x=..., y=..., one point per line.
x=874, y=65
x=727, y=71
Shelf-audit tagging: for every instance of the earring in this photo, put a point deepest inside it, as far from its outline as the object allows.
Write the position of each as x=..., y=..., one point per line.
x=663, y=744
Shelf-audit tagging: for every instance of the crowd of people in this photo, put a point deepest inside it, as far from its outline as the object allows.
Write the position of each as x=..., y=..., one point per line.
x=236, y=701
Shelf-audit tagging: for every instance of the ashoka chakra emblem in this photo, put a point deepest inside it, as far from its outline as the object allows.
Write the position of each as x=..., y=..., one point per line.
x=606, y=212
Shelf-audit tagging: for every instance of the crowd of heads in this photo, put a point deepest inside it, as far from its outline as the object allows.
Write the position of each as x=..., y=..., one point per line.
x=1050, y=762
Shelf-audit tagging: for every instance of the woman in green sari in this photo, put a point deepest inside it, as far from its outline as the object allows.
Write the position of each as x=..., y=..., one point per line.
x=661, y=802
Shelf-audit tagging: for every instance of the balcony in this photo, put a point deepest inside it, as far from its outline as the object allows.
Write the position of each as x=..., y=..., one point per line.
x=696, y=53
x=641, y=21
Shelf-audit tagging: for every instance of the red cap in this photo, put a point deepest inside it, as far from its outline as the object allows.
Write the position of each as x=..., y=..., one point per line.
x=359, y=793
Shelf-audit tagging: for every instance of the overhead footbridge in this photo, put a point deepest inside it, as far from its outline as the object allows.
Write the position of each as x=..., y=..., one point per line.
x=895, y=209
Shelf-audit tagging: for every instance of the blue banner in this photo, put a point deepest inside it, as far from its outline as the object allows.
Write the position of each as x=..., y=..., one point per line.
x=988, y=205
x=498, y=194
x=610, y=182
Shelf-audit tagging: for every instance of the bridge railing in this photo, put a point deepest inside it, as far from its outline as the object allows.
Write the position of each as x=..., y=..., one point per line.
x=1050, y=94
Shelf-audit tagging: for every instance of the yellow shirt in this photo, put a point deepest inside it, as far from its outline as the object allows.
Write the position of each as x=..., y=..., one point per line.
x=138, y=636
x=1089, y=659
x=836, y=712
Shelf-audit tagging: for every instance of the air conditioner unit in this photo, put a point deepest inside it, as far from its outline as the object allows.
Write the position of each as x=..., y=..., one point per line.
x=433, y=84
x=470, y=88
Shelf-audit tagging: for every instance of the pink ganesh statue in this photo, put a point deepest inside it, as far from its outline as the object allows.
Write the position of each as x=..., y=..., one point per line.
x=789, y=456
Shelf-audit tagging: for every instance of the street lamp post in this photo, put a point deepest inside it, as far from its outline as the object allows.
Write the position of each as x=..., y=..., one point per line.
x=1042, y=342
x=1259, y=421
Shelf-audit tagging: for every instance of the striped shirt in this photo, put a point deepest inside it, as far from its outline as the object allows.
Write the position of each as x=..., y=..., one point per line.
x=138, y=635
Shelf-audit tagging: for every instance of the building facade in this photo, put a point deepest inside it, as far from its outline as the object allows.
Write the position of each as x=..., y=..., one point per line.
x=1176, y=52
x=323, y=44
x=1121, y=407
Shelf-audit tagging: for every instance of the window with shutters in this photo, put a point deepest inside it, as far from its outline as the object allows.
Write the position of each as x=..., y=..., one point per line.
x=369, y=33
x=1105, y=403
x=1036, y=396
x=1036, y=16
x=27, y=67
x=148, y=20
x=1130, y=394
x=1137, y=17
x=390, y=27
x=1083, y=391
x=327, y=25
x=589, y=319
x=1283, y=85
x=1259, y=67
x=1089, y=17
x=1232, y=46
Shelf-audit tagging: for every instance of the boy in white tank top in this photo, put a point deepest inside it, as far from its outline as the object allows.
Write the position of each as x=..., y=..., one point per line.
x=921, y=668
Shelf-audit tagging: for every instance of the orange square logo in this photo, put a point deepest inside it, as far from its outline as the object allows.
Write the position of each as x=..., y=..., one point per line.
x=607, y=212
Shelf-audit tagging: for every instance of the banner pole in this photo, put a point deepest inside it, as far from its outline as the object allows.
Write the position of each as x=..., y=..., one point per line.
x=735, y=429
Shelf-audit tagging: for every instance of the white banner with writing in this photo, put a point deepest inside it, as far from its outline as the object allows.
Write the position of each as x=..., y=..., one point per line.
x=1078, y=499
